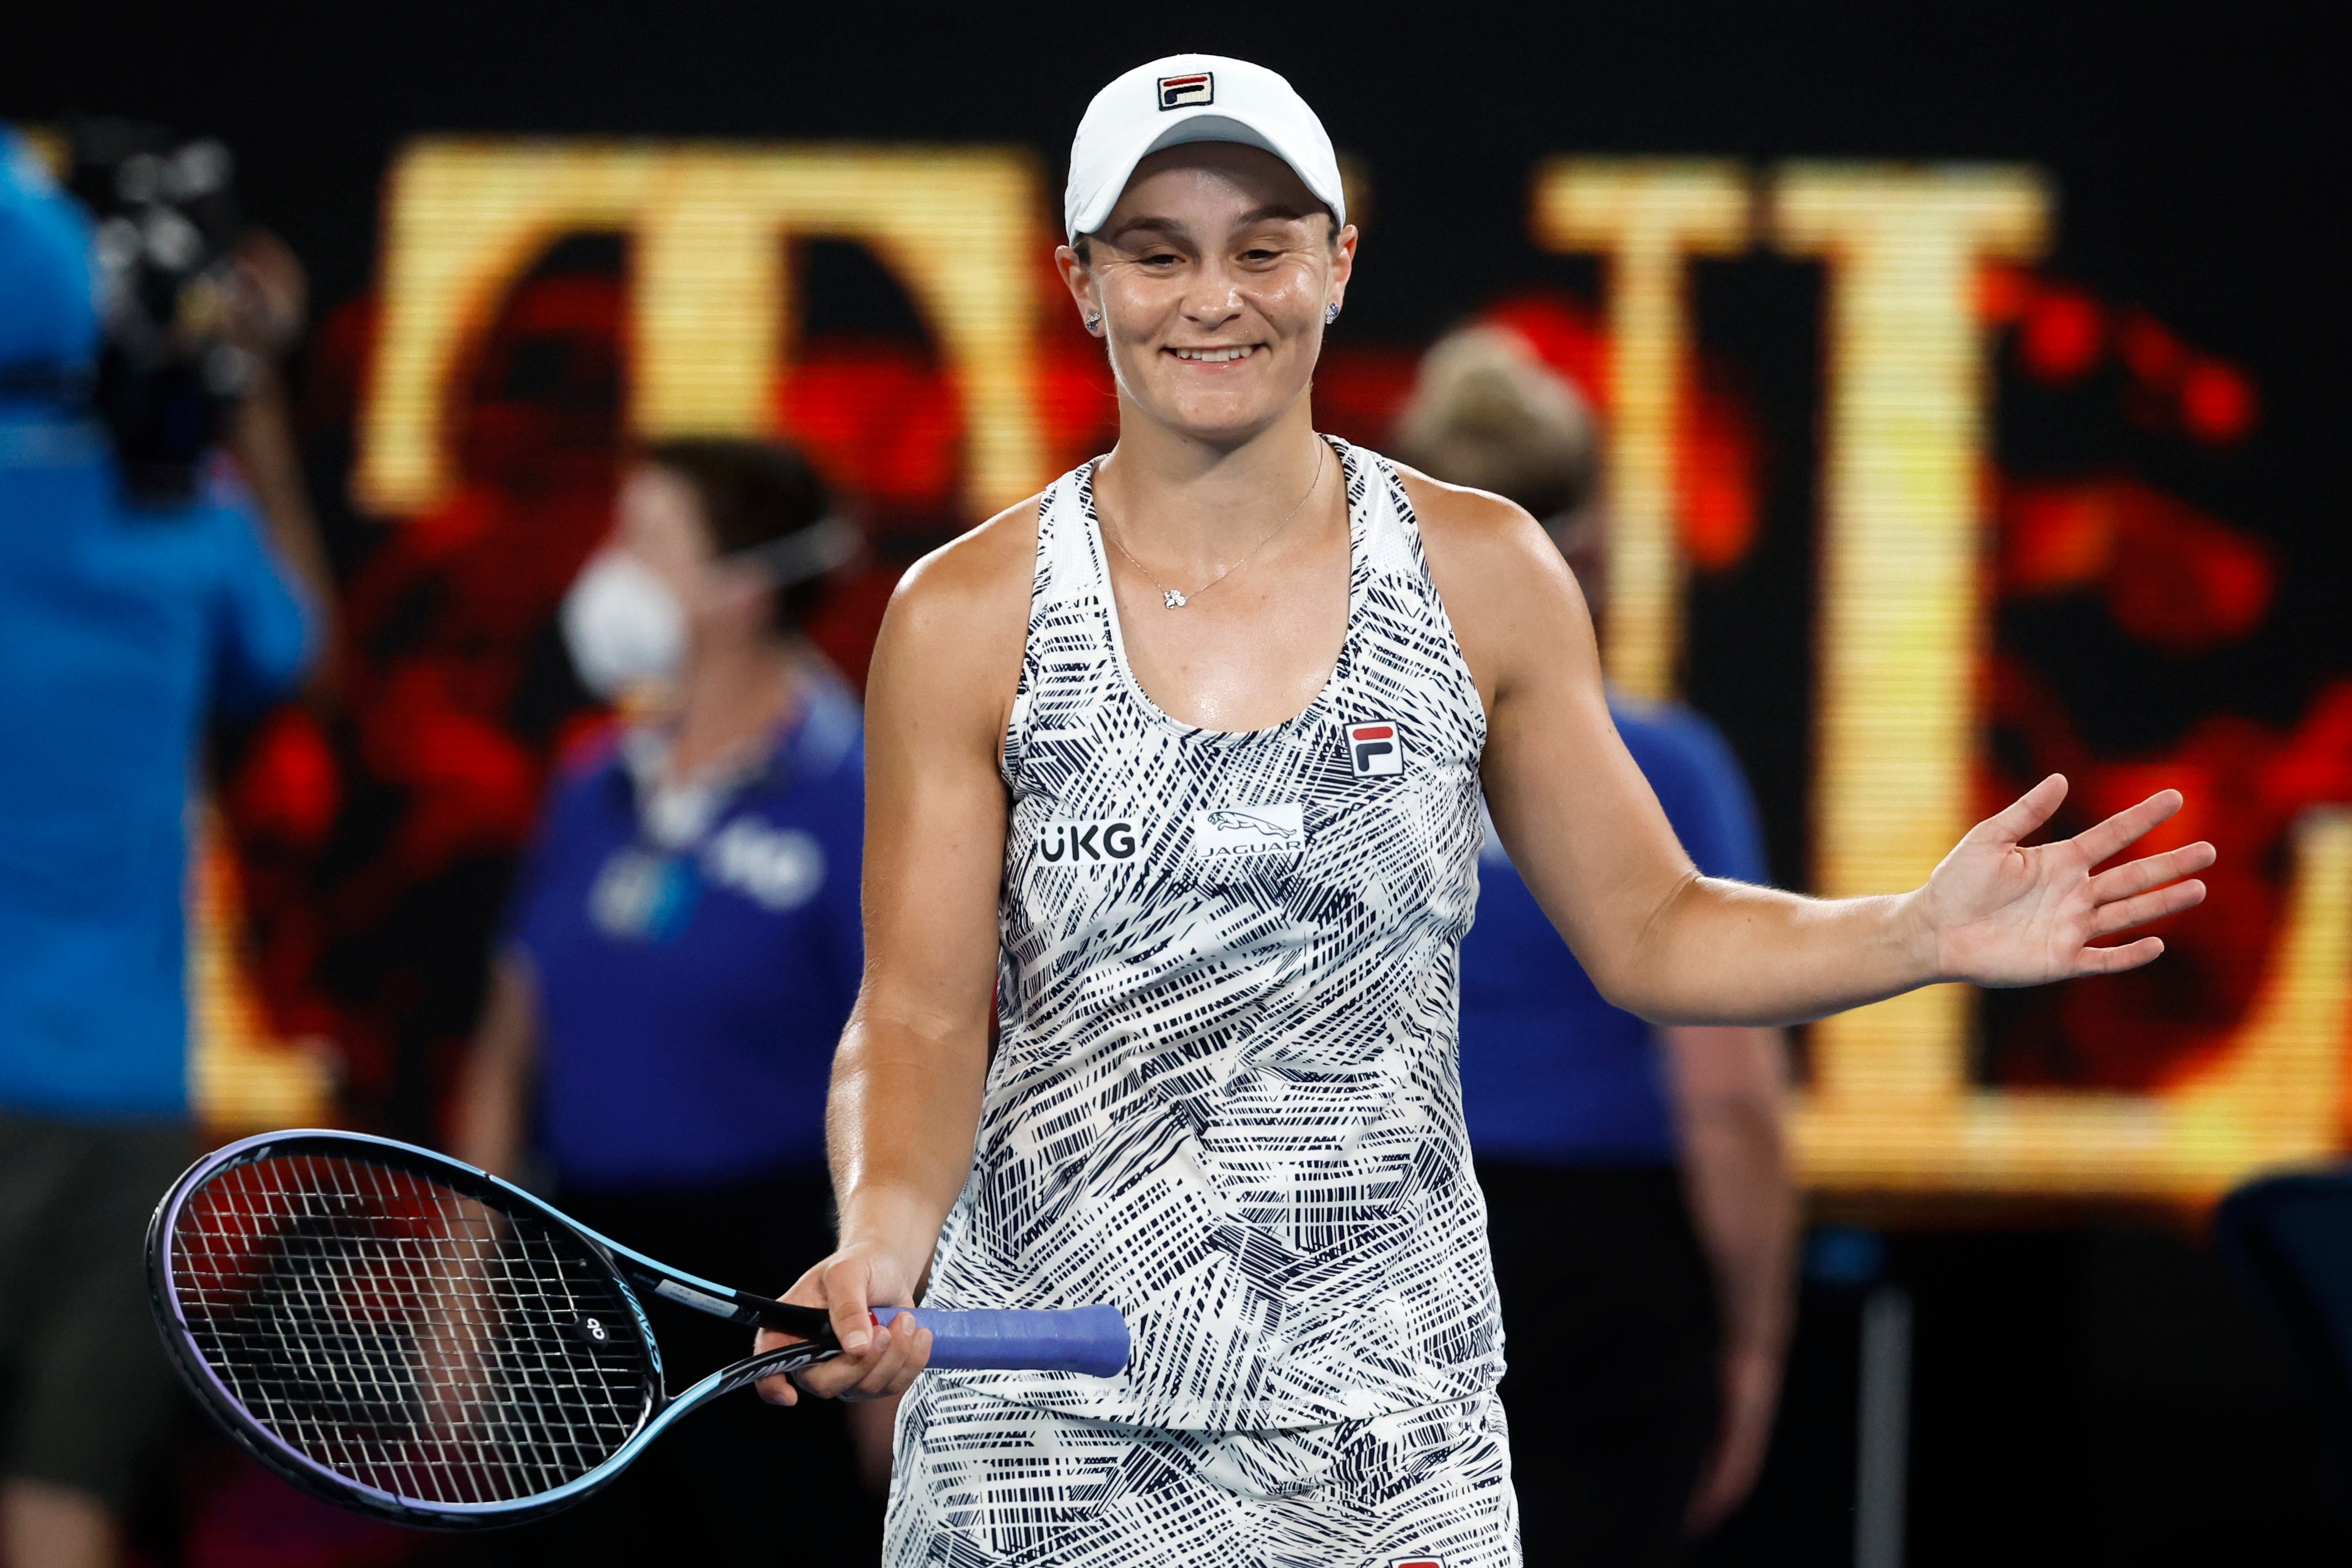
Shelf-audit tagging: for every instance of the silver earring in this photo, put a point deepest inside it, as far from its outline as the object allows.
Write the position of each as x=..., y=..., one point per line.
x=1094, y=324
x=1331, y=313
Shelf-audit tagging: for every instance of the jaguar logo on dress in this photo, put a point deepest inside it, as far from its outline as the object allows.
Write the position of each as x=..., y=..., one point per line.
x=1375, y=748
x=1248, y=830
x=1183, y=92
x=1088, y=843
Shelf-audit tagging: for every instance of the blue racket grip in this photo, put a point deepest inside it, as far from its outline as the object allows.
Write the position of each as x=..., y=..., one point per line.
x=1089, y=1339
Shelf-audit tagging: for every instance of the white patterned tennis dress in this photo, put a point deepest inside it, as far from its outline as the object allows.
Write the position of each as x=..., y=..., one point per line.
x=1226, y=1100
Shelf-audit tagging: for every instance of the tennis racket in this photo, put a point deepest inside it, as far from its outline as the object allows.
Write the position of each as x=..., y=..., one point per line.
x=414, y=1339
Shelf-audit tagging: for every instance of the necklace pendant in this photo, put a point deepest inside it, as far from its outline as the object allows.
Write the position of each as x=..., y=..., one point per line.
x=1175, y=600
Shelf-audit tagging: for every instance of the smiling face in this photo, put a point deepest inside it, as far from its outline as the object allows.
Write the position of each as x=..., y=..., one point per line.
x=1211, y=277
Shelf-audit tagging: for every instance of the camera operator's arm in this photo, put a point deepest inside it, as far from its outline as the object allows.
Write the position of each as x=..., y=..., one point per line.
x=267, y=320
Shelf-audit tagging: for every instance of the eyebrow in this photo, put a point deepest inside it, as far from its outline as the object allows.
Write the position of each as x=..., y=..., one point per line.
x=1171, y=226
x=1150, y=224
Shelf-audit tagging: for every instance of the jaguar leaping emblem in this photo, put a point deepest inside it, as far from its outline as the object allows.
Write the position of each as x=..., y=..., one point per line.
x=1233, y=821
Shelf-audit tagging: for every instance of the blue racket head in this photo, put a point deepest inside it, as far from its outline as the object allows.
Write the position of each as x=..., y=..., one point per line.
x=399, y=1332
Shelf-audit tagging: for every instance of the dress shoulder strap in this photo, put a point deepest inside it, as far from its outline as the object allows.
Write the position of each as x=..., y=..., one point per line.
x=1390, y=534
x=1069, y=629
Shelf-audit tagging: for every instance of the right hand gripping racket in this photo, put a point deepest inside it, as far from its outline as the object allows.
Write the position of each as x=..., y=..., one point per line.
x=414, y=1339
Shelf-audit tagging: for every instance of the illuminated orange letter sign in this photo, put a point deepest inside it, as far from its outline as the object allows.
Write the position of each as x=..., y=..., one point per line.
x=1645, y=214
x=1902, y=621
x=1900, y=612
x=708, y=294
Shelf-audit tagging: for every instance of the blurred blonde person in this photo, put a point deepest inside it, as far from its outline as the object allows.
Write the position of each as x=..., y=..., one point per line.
x=1639, y=1199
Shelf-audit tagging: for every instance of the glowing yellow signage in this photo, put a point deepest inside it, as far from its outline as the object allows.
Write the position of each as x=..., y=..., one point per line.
x=1645, y=215
x=463, y=220
x=1902, y=611
x=241, y=1077
x=1892, y=1105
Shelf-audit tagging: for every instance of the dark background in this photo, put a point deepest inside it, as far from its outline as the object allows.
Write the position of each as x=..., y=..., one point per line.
x=2198, y=150
x=2089, y=1387
x=2195, y=155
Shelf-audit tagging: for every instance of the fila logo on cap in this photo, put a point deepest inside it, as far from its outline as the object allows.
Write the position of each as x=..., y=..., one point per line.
x=1184, y=91
x=1375, y=748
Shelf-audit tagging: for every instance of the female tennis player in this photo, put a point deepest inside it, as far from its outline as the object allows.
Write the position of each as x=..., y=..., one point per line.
x=1178, y=765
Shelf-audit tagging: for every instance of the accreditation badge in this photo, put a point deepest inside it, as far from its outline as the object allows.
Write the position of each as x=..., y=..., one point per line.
x=643, y=896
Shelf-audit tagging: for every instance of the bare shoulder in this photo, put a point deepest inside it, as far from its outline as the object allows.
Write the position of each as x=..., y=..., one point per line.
x=1501, y=578
x=974, y=573
x=959, y=617
x=1473, y=536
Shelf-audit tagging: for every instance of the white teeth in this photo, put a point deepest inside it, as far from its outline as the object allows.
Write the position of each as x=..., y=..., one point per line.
x=1211, y=356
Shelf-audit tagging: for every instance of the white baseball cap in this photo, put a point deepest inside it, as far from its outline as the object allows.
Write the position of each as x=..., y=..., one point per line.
x=1193, y=98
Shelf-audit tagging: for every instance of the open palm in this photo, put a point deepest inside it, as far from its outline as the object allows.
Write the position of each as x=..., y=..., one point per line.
x=2007, y=913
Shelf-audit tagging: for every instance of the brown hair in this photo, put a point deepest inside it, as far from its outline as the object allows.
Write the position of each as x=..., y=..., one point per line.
x=751, y=493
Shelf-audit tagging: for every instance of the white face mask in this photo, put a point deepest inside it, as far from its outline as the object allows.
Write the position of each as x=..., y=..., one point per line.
x=622, y=623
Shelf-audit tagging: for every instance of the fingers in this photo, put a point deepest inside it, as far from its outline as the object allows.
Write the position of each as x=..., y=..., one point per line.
x=848, y=1283
x=894, y=1354
x=1749, y=1390
x=833, y=1284
x=2028, y=811
x=2109, y=837
x=2125, y=913
x=893, y=1374
x=779, y=1389
x=2116, y=960
x=876, y=1361
x=2153, y=871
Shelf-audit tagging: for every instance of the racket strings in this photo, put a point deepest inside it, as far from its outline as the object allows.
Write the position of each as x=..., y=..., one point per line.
x=404, y=1336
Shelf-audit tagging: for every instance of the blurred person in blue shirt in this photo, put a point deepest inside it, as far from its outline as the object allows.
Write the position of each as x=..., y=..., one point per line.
x=139, y=597
x=1639, y=1198
x=681, y=951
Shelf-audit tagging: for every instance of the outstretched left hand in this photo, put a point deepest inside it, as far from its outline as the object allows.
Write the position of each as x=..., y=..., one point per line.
x=2004, y=913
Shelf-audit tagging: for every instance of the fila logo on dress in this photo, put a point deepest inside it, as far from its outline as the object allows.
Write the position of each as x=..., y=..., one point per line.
x=1375, y=749
x=1183, y=92
x=1416, y=1562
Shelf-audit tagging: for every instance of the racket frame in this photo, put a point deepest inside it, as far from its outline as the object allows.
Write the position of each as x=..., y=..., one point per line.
x=629, y=1269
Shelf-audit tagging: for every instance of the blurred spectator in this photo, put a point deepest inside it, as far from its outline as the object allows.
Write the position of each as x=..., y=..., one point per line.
x=137, y=596
x=681, y=951
x=1640, y=1203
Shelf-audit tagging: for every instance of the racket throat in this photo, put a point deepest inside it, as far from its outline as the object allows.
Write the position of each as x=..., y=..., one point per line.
x=811, y=1323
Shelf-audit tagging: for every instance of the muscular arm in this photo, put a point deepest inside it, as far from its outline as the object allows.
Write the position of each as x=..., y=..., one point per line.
x=1728, y=1087
x=1661, y=941
x=907, y=1077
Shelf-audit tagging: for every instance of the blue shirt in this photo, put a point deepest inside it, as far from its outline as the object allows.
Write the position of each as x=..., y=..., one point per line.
x=1551, y=1074
x=692, y=986
x=122, y=630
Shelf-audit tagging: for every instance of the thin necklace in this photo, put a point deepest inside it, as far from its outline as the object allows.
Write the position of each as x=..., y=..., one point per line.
x=1176, y=601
